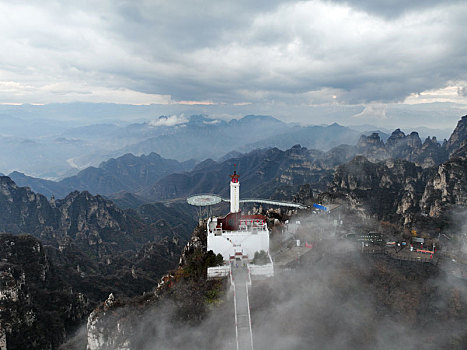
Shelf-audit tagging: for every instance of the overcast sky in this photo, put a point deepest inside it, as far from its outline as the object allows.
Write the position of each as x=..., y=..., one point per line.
x=287, y=54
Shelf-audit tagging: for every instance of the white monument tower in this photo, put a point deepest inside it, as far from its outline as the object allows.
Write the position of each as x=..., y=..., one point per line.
x=234, y=193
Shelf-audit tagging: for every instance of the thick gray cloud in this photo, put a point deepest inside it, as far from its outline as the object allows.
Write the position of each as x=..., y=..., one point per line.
x=308, y=52
x=394, y=8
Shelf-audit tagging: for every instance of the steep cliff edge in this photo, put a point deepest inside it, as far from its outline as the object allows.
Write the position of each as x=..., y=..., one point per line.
x=458, y=138
x=446, y=188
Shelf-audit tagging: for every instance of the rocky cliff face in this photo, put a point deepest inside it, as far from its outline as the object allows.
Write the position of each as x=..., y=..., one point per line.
x=446, y=188
x=388, y=190
x=372, y=147
x=399, y=191
x=37, y=307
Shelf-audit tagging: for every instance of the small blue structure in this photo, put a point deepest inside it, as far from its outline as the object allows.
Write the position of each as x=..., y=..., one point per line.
x=320, y=207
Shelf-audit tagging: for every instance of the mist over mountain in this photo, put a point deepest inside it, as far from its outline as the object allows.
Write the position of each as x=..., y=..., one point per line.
x=332, y=297
x=201, y=137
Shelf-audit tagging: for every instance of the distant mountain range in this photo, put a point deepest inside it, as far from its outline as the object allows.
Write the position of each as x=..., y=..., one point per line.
x=269, y=172
x=52, y=150
x=276, y=173
x=316, y=137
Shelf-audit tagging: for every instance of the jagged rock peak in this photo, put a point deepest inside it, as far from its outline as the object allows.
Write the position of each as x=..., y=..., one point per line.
x=431, y=141
x=7, y=181
x=458, y=136
x=373, y=139
x=84, y=195
x=110, y=300
x=396, y=134
x=461, y=153
x=413, y=140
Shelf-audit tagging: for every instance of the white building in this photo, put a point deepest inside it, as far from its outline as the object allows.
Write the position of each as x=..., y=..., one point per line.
x=236, y=236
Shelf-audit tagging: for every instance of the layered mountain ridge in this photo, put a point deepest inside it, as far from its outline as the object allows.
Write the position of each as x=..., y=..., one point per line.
x=140, y=175
x=277, y=174
x=126, y=173
x=69, y=254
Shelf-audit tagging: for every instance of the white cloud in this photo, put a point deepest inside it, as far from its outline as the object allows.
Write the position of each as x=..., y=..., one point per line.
x=211, y=122
x=169, y=121
x=373, y=111
x=454, y=92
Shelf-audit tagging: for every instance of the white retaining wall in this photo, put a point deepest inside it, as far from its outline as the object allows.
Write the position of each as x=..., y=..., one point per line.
x=219, y=271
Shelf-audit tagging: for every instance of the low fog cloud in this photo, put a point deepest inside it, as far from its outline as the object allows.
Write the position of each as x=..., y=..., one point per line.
x=331, y=298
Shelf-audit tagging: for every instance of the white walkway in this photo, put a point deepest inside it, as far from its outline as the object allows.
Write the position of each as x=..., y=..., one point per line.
x=271, y=202
x=243, y=331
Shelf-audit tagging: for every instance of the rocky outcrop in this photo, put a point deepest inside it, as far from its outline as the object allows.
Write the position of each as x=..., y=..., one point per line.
x=115, y=332
x=372, y=147
x=447, y=188
x=399, y=191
